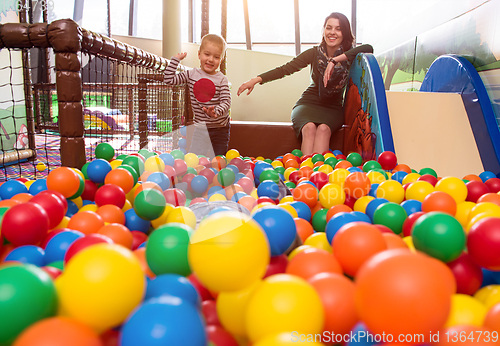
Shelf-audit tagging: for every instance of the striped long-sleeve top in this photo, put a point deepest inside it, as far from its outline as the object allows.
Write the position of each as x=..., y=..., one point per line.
x=205, y=90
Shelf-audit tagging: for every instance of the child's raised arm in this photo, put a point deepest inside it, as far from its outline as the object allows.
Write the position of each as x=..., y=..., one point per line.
x=172, y=78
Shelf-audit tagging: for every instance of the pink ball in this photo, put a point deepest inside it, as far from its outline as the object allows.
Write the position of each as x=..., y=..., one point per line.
x=25, y=224
x=387, y=160
x=483, y=243
x=174, y=196
x=204, y=162
x=247, y=184
x=476, y=189
x=180, y=167
x=467, y=273
x=207, y=173
x=110, y=194
x=187, y=179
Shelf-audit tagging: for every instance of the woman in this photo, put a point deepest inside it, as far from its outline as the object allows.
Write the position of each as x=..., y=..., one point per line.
x=318, y=113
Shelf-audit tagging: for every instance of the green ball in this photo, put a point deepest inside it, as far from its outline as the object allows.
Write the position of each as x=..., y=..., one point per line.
x=135, y=162
x=84, y=170
x=381, y=171
x=56, y=264
x=317, y=158
x=121, y=156
x=104, y=151
x=331, y=161
x=319, y=220
x=149, y=204
x=177, y=154
x=290, y=185
x=27, y=295
x=315, y=169
x=192, y=170
x=146, y=153
x=428, y=171
x=297, y=152
x=167, y=249
x=80, y=188
x=226, y=177
x=269, y=174
x=280, y=170
x=355, y=159
x=391, y=215
x=268, y=160
x=371, y=165
x=439, y=235
x=131, y=170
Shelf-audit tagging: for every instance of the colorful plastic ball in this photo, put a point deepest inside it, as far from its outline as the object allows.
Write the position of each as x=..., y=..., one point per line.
x=101, y=286
x=427, y=170
x=330, y=195
x=97, y=170
x=453, y=186
x=135, y=162
x=387, y=160
x=118, y=233
x=355, y=159
x=238, y=249
x=25, y=224
x=399, y=176
x=493, y=184
x=418, y=190
x=28, y=295
x=52, y=205
x=357, y=184
x=303, y=210
x=410, y=221
x=89, y=190
x=439, y=235
x=269, y=174
x=217, y=335
x=336, y=222
x=37, y=186
x=175, y=197
x=154, y=164
x=311, y=262
x=174, y=285
x=428, y=178
x=483, y=243
x=319, y=220
x=64, y=180
x=391, y=215
x=29, y=254
x=199, y=184
x=56, y=247
x=104, y=151
x=389, y=284
x=180, y=321
x=11, y=188
x=159, y=178
x=40, y=166
x=468, y=275
x=371, y=165
x=466, y=310
x=226, y=177
x=183, y=215
x=149, y=204
x=289, y=303
x=129, y=169
x=84, y=242
x=486, y=175
x=110, y=194
x=439, y=201
x=86, y=222
x=58, y=331
x=279, y=227
x=169, y=241
x=411, y=206
x=391, y=190
x=269, y=189
x=354, y=243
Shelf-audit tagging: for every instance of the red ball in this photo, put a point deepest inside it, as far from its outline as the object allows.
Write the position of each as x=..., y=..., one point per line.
x=384, y=229
x=52, y=205
x=207, y=173
x=219, y=336
x=58, y=195
x=187, y=179
x=265, y=199
x=89, y=190
x=294, y=176
x=175, y=196
x=467, y=273
x=319, y=179
x=138, y=238
x=52, y=271
x=209, y=311
x=84, y=242
x=247, y=184
x=349, y=201
x=25, y=224
x=428, y=178
x=483, y=243
x=387, y=160
x=476, y=189
x=410, y=220
x=277, y=265
x=180, y=167
x=202, y=290
x=110, y=194
x=493, y=184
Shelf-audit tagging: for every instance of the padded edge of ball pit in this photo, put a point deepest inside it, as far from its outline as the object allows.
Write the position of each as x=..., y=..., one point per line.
x=270, y=139
x=455, y=74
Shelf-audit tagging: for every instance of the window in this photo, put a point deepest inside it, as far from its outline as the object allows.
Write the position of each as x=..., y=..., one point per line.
x=150, y=19
x=119, y=13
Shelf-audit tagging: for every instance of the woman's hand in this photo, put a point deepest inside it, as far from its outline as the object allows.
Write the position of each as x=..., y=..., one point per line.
x=249, y=85
x=328, y=72
x=180, y=56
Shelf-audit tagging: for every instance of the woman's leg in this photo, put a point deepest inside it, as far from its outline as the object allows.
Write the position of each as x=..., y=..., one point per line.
x=322, y=139
x=308, y=138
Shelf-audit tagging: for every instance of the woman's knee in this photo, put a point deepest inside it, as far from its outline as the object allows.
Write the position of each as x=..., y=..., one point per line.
x=324, y=130
x=309, y=129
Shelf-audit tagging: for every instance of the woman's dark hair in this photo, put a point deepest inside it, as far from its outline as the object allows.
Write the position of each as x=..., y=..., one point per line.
x=345, y=27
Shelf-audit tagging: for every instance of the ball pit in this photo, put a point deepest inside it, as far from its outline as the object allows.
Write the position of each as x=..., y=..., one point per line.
x=371, y=246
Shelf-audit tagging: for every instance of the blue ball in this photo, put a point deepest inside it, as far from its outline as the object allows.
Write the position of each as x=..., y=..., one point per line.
x=182, y=142
x=237, y=196
x=159, y=178
x=338, y=220
x=199, y=184
x=399, y=176
x=354, y=169
x=97, y=170
x=72, y=208
x=279, y=226
x=183, y=150
x=238, y=176
x=361, y=216
x=183, y=131
x=489, y=278
x=56, y=248
x=373, y=205
x=38, y=186
x=411, y=206
x=260, y=166
x=134, y=223
x=174, y=285
x=303, y=210
x=487, y=175
x=216, y=189
x=143, y=244
x=235, y=169
x=86, y=202
x=269, y=189
x=337, y=152
x=373, y=190
x=30, y=254
x=165, y=320
x=168, y=159
x=361, y=336
x=11, y=188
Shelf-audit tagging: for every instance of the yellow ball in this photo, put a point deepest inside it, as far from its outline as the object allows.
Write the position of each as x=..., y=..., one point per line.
x=183, y=215
x=362, y=202
x=89, y=207
x=338, y=176
x=277, y=163
x=483, y=293
x=409, y=242
x=375, y=177
x=127, y=205
x=231, y=308
x=391, y=190
x=284, y=303
x=307, y=162
x=288, y=339
x=298, y=250
x=331, y=194
x=410, y=178
x=478, y=217
x=288, y=171
x=77, y=171
x=154, y=164
x=319, y=241
x=217, y=197
x=327, y=169
x=465, y=310
x=163, y=217
x=262, y=205
x=231, y=154
x=40, y=166
x=492, y=299
x=191, y=160
x=229, y=251
x=327, y=155
x=115, y=163
x=418, y=190
x=463, y=211
x=260, y=158
x=286, y=199
x=63, y=224
x=78, y=201
x=102, y=285
x=453, y=186
x=482, y=207
x=291, y=210
x=28, y=183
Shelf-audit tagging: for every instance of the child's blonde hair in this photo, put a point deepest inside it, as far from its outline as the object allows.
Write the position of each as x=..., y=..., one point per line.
x=215, y=39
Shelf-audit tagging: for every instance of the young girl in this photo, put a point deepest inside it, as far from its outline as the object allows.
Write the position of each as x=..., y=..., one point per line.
x=318, y=113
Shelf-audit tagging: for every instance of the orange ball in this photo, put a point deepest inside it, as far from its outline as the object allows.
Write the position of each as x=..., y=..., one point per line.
x=306, y=172
x=121, y=178
x=22, y=197
x=147, y=185
x=467, y=335
x=343, y=164
x=306, y=193
x=487, y=197
x=401, y=292
x=58, y=331
x=472, y=177
x=304, y=228
x=357, y=184
x=64, y=180
x=356, y=242
x=289, y=156
x=86, y=222
x=7, y=203
x=219, y=163
x=232, y=189
x=402, y=167
x=291, y=163
x=310, y=262
x=337, y=296
x=118, y=233
x=248, y=202
x=492, y=319
x=316, y=208
x=339, y=208
x=141, y=256
x=110, y=213
x=394, y=241
x=439, y=201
